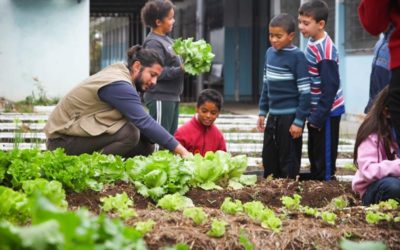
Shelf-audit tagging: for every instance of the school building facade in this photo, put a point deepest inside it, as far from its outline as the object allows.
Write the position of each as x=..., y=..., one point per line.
x=61, y=42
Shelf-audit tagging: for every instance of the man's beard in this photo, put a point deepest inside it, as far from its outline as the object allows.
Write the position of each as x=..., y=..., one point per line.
x=138, y=81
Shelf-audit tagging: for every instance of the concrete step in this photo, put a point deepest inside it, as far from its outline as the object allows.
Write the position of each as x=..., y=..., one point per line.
x=29, y=135
x=6, y=146
x=235, y=148
x=223, y=118
x=257, y=148
x=257, y=162
x=21, y=126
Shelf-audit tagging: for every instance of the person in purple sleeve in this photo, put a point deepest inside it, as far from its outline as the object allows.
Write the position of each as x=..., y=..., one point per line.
x=104, y=113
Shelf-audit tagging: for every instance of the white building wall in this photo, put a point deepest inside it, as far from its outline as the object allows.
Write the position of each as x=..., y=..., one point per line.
x=46, y=39
x=356, y=77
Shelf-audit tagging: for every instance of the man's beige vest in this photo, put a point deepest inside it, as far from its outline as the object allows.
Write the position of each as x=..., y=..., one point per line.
x=82, y=113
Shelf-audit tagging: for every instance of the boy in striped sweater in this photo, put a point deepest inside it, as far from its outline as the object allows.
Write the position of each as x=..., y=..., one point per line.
x=327, y=103
x=285, y=98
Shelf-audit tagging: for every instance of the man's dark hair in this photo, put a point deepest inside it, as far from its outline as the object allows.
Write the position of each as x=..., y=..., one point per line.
x=146, y=57
x=155, y=9
x=284, y=21
x=316, y=9
x=210, y=95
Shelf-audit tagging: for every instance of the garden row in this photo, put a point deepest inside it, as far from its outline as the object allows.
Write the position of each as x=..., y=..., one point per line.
x=26, y=131
x=217, y=211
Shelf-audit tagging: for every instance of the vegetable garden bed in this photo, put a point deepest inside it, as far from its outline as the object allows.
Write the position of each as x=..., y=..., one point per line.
x=299, y=231
x=236, y=212
x=296, y=231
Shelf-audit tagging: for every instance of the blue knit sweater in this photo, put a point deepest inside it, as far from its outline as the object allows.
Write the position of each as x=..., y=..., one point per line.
x=286, y=84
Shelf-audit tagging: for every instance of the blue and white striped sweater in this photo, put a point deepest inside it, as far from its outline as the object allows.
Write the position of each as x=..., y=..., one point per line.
x=286, y=85
x=326, y=94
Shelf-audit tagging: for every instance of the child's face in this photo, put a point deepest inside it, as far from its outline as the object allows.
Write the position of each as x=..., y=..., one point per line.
x=279, y=38
x=309, y=27
x=167, y=23
x=207, y=113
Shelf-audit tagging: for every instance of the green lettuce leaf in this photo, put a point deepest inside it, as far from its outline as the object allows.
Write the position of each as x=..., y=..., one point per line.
x=217, y=228
x=197, y=55
x=174, y=202
x=197, y=214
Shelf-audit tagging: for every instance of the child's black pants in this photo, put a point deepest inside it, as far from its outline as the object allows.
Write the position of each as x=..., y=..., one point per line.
x=281, y=153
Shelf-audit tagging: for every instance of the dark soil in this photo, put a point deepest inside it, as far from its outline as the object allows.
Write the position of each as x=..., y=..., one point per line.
x=299, y=231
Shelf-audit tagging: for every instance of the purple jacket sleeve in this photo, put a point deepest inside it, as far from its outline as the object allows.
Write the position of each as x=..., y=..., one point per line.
x=123, y=97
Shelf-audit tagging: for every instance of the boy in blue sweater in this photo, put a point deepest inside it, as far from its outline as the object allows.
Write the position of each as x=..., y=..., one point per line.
x=285, y=98
x=327, y=102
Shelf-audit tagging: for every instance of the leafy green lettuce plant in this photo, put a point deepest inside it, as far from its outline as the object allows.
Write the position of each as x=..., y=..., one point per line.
x=261, y=214
x=231, y=207
x=174, y=202
x=14, y=206
x=53, y=228
x=158, y=174
x=52, y=190
x=329, y=217
x=143, y=227
x=197, y=56
x=121, y=204
x=339, y=202
x=373, y=217
x=217, y=228
x=244, y=240
x=218, y=169
x=197, y=214
x=291, y=203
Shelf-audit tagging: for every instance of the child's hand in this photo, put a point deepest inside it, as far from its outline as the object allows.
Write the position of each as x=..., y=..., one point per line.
x=261, y=124
x=295, y=131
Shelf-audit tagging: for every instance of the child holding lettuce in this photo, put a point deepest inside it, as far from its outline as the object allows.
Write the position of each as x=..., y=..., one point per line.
x=163, y=99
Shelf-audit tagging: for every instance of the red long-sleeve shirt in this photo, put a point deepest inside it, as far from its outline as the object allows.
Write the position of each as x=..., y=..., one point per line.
x=199, y=139
x=376, y=16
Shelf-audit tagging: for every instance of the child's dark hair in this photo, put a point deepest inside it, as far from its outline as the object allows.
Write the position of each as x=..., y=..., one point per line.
x=284, y=21
x=316, y=9
x=377, y=121
x=146, y=57
x=155, y=9
x=210, y=95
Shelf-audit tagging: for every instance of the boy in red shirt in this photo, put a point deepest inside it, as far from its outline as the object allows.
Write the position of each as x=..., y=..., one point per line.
x=200, y=135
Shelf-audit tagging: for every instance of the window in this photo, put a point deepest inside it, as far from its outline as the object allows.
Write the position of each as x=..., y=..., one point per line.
x=357, y=40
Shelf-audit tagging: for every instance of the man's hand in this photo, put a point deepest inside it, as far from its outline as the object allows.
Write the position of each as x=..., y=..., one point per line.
x=182, y=151
x=295, y=131
x=261, y=124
